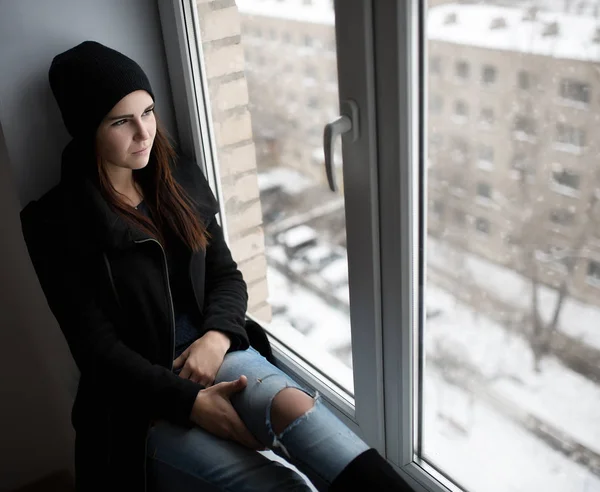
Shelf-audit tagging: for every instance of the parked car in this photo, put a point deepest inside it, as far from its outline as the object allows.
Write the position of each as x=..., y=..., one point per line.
x=319, y=256
x=297, y=238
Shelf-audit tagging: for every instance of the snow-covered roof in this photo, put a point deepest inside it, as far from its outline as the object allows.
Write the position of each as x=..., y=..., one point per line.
x=317, y=12
x=555, y=34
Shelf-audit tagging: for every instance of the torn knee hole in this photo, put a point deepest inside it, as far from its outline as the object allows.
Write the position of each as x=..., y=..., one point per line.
x=287, y=406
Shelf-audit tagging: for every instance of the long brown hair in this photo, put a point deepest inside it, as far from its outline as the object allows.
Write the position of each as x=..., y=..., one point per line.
x=170, y=205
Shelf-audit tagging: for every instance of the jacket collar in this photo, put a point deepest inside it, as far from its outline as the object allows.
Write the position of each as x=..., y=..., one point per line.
x=96, y=216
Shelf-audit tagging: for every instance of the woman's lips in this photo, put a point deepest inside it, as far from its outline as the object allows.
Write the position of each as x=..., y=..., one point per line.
x=141, y=152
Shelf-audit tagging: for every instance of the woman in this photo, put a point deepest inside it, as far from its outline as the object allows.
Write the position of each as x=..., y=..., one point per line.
x=136, y=270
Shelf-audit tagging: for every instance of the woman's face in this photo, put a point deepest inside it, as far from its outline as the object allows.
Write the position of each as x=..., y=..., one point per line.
x=126, y=134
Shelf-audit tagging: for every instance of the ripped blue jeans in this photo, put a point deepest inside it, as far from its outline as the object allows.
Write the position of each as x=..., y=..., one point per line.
x=317, y=443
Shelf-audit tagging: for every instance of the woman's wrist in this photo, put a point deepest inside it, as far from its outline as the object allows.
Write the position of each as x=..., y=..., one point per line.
x=220, y=338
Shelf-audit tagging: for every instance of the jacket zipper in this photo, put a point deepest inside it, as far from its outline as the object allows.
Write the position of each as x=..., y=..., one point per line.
x=171, y=308
x=166, y=276
x=192, y=282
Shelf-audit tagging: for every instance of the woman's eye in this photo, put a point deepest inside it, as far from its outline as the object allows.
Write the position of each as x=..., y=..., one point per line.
x=119, y=123
x=149, y=111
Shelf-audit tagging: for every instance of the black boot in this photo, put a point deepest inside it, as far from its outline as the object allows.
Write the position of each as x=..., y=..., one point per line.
x=369, y=472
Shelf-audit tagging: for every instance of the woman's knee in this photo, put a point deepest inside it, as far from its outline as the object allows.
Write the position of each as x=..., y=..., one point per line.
x=289, y=405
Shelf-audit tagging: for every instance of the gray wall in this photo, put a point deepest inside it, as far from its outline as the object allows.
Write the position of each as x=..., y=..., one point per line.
x=38, y=374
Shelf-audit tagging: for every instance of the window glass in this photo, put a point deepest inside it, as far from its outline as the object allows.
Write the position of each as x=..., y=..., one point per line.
x=509, y=394
x=488, y=75
x=269, y=116
x=524, y=127
x=570, y=136
x=461, y=111
x=461, y=70
x=523, y=80
x=486, y=157
x=567, y=179
x=575, y=90
x=593, y=273
x=484, y=190
x=562, y=216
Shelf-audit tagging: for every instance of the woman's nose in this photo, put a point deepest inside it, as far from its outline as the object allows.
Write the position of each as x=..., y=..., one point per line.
x=142, y=132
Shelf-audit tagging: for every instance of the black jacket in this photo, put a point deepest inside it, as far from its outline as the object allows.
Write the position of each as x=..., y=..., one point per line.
x=106, y=283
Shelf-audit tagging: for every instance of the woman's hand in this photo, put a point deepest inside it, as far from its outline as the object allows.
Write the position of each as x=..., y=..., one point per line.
x=213, y=412
x=201, y=360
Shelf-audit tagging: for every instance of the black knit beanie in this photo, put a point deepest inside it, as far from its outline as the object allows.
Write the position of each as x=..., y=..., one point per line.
x=88, y=81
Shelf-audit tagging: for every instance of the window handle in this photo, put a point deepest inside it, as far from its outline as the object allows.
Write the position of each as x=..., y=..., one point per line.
x=348, y=121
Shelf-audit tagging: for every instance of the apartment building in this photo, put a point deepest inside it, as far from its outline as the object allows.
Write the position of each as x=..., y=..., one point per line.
x=511, y=115
x=291, y=68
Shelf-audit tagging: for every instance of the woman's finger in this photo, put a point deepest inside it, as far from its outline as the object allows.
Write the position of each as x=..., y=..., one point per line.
x=185, y=372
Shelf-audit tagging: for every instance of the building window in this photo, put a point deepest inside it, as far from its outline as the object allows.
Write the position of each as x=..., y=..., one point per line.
x=435, y=65
x=569, y=135
x=460, y=149
x=308, y=41
x=524, y=126
x=574, y=90
x=484, y=190
x=486, y=157
x=562, y=217
x=566, y=179
x=272, y=34
x=593, y=273
x=313, y=102
x=488, y=75
x=461, y=110
x=482, y=225
x=486, y=117
x=438, y=209
x=524, y=80
x=461, y=69
x=460, y=218
x=436, y=104
x=287, y=38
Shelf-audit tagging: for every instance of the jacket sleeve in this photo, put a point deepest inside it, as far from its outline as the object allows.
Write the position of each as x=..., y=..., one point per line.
x=66, y=275
x=226, y=295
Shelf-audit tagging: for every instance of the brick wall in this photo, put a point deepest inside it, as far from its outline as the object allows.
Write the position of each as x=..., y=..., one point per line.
x=224, y=65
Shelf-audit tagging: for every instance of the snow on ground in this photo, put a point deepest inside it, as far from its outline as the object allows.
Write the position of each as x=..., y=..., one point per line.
x=331, y=328
x=487, y=452
x=557, y=395
x=577, y=319
x=461, y=434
